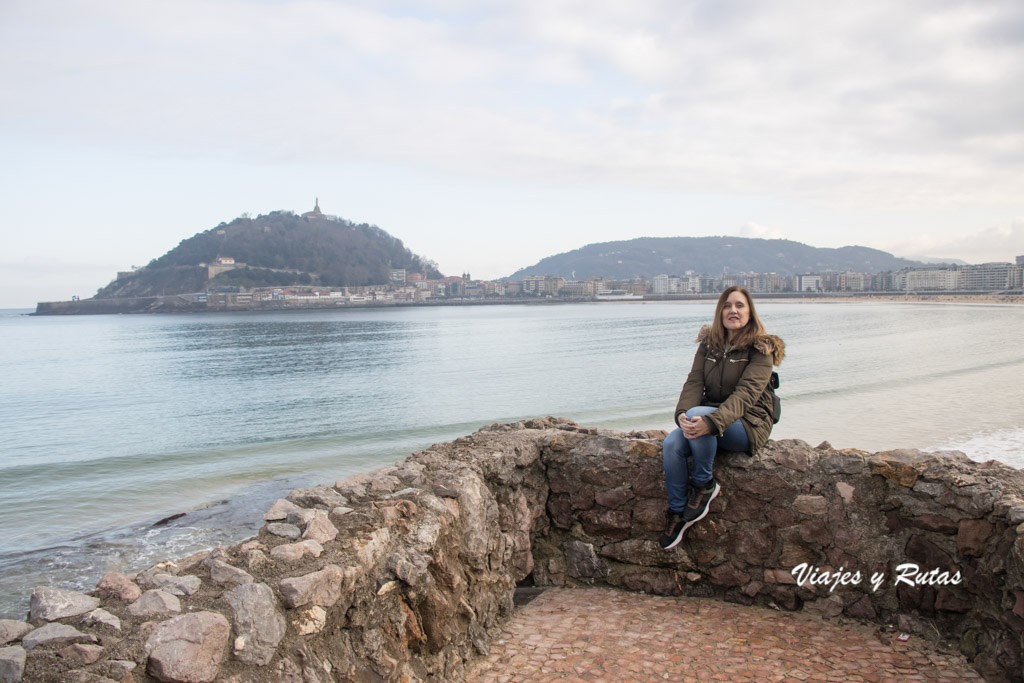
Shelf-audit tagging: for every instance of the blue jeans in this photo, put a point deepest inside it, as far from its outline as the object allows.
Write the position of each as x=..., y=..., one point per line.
x=677, y=449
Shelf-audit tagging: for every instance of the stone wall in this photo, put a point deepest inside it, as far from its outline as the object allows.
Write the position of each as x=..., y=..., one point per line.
x=405, y=573
x=846, y=515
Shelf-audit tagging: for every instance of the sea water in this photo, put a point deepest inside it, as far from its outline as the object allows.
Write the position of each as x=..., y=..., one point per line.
x=109, y=425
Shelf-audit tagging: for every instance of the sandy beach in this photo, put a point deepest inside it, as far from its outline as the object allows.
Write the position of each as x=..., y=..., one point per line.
x=937, y=298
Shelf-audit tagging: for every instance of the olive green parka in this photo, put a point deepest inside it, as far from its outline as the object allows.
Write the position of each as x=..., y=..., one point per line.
x=736, y=383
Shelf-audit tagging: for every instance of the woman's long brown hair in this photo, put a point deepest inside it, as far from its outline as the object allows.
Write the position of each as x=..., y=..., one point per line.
x=744, y=337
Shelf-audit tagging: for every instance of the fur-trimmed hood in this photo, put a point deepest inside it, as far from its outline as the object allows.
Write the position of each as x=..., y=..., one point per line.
x=768, y=344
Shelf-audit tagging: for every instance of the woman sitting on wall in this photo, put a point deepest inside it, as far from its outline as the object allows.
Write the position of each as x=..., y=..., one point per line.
x=725, y=403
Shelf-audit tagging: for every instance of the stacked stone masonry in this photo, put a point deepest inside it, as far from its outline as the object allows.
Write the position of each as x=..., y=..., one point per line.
x=407, y=573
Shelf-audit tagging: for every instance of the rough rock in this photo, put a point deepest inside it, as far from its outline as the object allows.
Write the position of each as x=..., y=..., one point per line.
x=12, y=664
x=188, y=648
x=900, y=473
x=118, y=669
x=314, y=619
x=479, y=515
x=11, y=630
x=257, y=561
x=79, y=676
x=317, y=497
x=582, y=562
x=300, y=517
x=190, y=564
x=648, y=514
x=815, y=531
x=223, y=574
x=50, y=604
x=654, y=582
x=249, y=546
x=293, y=552
x=940, y=523
x=753, y=588
x=607, y=523
x=155, y=603
x=289, y=531
x=614, y=498
x=845, y=491
x=779, y=576
x=972, y=535
x=102, y=617
x=259, y=627
x=177, y=585
x=726, y=574
x=751, y=546
x=742, y=507
x=323, y=588
x=811, y=505
x=55, y=634
x=145, y=577
x=862, y=609
x=646, y=552
x=279, y=510
x=383, y=483
x=320, y=529
x=81, y=654
x=119, y=586
x=794, y=458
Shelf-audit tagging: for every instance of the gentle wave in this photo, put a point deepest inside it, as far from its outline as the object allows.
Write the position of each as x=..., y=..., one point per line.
x=1004, y=445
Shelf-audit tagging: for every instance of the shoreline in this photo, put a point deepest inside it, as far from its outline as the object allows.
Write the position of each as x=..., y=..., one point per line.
x=986, y=298
x=183, y=304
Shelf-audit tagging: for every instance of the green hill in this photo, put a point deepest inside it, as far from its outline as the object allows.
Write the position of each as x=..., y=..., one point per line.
x=278, y=249
x=650, y=256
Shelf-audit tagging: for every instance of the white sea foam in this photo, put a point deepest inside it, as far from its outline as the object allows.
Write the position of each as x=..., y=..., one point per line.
x=1005, y=445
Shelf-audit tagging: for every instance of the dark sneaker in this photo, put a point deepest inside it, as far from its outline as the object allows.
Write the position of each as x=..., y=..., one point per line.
x=675, y=525
x=698, y=500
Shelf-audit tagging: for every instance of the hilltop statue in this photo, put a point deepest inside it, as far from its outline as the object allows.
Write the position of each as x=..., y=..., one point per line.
x=316, y=212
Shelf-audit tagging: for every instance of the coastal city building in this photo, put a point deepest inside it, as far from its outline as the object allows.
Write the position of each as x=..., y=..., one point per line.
x=809, y=283
x=407, y=287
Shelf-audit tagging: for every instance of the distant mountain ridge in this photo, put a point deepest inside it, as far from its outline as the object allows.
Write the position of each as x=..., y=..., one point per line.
x=278, y=249
x=650, y=256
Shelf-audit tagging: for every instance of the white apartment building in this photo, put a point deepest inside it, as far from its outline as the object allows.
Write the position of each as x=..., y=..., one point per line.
x=853, y=282
x=808, y=283
x=939, y=278
x=991, y=276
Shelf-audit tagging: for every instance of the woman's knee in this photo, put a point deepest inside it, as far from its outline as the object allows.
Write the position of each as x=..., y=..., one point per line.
x=674, y=444
x=699, y=411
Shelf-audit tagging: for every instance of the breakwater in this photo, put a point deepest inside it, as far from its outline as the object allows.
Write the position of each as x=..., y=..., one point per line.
x=187, y=303
x=405, y=573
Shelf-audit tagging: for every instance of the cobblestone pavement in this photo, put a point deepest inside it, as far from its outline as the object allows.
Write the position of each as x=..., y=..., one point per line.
x=598, y=634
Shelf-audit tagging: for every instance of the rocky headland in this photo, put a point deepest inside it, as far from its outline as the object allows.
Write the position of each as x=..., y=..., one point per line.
x=406, y=573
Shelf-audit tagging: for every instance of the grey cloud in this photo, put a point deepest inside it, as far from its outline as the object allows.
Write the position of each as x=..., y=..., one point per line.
x=823, y=101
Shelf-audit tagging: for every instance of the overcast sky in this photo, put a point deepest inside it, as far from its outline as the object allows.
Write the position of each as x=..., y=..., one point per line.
x=488, y=135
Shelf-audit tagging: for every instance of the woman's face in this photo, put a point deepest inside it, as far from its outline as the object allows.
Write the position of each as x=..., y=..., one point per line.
x=736, y=313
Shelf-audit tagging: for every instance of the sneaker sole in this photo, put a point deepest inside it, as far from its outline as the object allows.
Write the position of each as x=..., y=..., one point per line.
x=679, y=536
x=686, y=526
x=707, y=508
